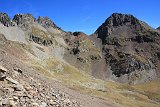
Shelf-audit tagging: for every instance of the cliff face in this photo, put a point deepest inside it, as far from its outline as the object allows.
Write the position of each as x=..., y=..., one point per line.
x=123, y=48
x=130, y=48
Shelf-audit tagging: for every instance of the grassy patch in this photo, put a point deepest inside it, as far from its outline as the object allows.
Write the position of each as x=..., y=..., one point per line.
x=139, y=58
x=40, y=33
x=143, y=95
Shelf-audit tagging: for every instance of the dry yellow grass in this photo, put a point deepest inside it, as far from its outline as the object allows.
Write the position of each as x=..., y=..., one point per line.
x=144, y=95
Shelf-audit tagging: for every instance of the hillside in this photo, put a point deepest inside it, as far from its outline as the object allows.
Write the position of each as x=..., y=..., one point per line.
x=42, y=65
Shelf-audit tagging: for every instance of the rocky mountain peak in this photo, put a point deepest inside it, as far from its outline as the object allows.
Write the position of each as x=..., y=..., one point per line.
x=23, y=19
x=5, y=20
x=118, y=19
x=46, y=22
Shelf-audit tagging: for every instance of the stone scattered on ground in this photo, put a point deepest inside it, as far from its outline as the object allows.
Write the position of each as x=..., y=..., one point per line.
x=24, y=91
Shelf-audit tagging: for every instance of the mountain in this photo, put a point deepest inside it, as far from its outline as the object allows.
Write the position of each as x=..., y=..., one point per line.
x=43, y=65
x=130, y=48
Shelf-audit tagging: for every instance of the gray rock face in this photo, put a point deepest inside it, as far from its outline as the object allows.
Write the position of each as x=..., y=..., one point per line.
x=5, y=20
x=24, y=20
x=2, y=76
x=121, y=36
x=128, y=65
x=117, y=19
x=38, y=40
x=2, y=73
x=158, y=28
x=114, y=21
x=46, y=22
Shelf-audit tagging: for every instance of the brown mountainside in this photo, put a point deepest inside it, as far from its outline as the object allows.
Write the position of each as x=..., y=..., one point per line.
x=35, y=53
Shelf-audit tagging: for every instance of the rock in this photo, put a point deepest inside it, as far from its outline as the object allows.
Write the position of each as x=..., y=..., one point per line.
x=2, y=77
x=18, y=87
x=19, y=94
x=12, y=103
x=5, y=20
x=46, y=22
x=42, y=95
x=35, y=104
x=116, y=20
x=52, y=102
x=5, y=103
x=32, y=93
x=15, y=98
x=24, y=20
x=2, y=69
x=67, y=102
x=18, y=70
x=12, y=80
x=41, y=41
x=8, y=103
x=78, y=33
x=43, y=104
x=28, y=88
x=128, y=64
x=9, y=89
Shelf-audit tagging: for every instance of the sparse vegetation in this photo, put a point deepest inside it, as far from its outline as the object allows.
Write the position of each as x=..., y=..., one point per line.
x=40, y=33
x=121, y=94
x=139, y=58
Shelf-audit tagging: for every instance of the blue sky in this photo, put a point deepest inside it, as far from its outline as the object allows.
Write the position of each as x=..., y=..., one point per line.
x=84, y=15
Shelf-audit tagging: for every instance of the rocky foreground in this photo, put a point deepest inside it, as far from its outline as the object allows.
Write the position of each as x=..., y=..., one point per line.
x=22, y=86
x=23, y=90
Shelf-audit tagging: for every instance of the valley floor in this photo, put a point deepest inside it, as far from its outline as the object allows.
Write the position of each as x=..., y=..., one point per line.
x=25, y=83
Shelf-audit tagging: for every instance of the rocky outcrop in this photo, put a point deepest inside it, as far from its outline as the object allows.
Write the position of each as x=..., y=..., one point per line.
x=141, y=39
x=114, y=21
x=121, y=36
x=46, y=22
x=41, y=41
x=2, y=73
x=24, y=20
x=5, y=20
x=128, y=64
x=78, y=33
x=117, y=19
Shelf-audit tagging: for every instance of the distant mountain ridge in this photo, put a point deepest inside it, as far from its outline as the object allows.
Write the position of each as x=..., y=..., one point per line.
x=120, y=49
